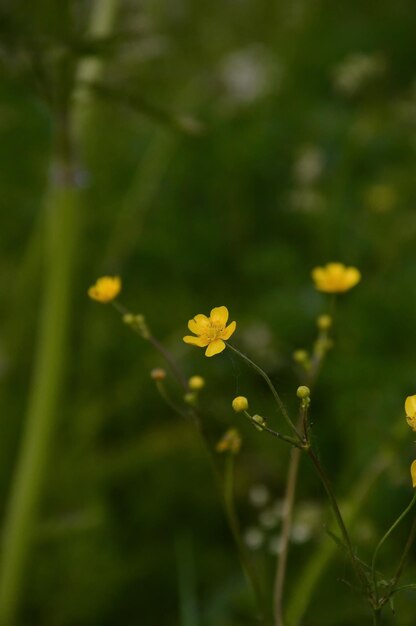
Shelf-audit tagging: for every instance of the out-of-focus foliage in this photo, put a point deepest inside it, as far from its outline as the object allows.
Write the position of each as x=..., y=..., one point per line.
x=234, y=146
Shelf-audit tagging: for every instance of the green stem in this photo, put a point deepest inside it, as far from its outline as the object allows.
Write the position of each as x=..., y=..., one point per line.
x=234, y=525
x=337, y=513
x=60, y=254
x=272, y=388
x=288, y=504
x=384, y=538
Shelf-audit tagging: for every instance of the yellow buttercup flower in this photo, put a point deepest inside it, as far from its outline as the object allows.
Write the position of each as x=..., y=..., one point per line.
x=211, y=331
x=410, y=408
x=229, y=442
x=413, y=473
x=335, y=278
x=105, y=289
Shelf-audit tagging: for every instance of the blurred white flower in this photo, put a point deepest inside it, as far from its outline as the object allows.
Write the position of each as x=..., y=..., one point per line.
x=259, y=495
x=301, y=532
x=276, y=545
x=309, y=165
x=248, y=75
x=253, y=538
x=307, y=200
x=356, y=71
x=268, y=518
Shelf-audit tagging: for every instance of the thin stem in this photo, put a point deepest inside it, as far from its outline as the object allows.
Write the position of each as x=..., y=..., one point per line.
x=338, y=516
x=290, y=440
x=376, y=617
x=271, y=387
x=405, y=553
x=234, y=525
x=285, y=534
x=384, y=538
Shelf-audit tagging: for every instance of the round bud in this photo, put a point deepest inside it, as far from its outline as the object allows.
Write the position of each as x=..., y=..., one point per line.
x=260, y=422
x=240, y=403
x=303, y=392
x=196, y=383
x=128, y=318
x=324, y=322
x=300, y=356
x=190, y=398
x=158, y=374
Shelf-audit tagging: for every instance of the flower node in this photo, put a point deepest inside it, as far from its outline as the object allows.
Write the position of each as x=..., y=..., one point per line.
x=410, y=408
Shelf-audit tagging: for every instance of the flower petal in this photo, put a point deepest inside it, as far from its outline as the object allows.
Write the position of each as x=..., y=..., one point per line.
x=228, y=330
x=215, y=347
x=196, y=341
x=198, y=324
x=410, y=406
x=413, y=473
x=219, y=316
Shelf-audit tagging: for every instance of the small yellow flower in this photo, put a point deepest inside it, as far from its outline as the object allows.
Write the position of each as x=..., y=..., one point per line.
x=240, y=403
x=413, y=473
x=229, y=442
x=105, y=289
x=211, y=331
x=196, y=383
x=410, y=408
x=335, y=278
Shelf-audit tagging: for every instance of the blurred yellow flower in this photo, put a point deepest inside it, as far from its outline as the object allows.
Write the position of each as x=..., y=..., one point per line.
x=335, y=277
x=229, y=442
x=196, y=383
x=413, y=473
x=410, y=408
x=211, y=331
x=105, y=289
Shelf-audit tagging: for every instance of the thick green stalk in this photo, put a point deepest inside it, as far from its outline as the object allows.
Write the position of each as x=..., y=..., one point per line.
x=60, y=236
x=59, y=255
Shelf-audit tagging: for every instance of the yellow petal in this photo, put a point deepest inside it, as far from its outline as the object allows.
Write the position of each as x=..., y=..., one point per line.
x=105, y=289
x=198, y=324
x=196, y=341
x=410, y=406
x=352, y=277
x=215, y=347
x=413, y=473
x=219, y=316
x=228, y=330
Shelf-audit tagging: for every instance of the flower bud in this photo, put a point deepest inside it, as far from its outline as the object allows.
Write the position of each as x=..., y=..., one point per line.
x=128, y=318
x=413, y=473
x=303, y=392
x=240, y=403
x=196, y=383
x=410, y=409
x=260, y=422
x=190, y=398
x=300, y=356
x=324, y=322
x=158, y=373
x=229, y=442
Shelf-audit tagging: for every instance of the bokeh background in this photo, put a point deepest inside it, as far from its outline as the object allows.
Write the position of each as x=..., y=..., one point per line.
x=231, y=146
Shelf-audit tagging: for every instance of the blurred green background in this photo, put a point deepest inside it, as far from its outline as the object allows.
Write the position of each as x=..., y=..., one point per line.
x=231, y=146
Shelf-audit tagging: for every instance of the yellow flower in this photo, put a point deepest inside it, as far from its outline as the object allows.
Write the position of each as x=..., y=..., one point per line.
x=105, y=289
x=196, y=383
x=229, y=442
x=240, y=403
x=410, y=408
x=211, y=331
x=413, y=473
x=335, y=278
